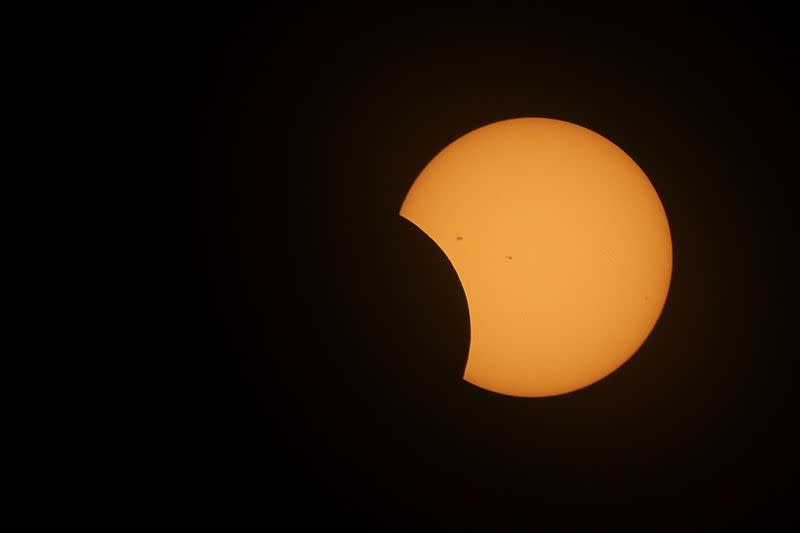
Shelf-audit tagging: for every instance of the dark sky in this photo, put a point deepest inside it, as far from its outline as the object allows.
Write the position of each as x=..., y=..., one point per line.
x=262, y=337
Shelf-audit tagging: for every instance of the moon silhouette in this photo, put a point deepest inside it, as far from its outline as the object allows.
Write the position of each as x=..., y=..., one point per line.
x=561, y=244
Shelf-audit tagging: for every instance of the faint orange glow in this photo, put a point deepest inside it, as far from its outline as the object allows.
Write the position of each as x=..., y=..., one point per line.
x=561, y=244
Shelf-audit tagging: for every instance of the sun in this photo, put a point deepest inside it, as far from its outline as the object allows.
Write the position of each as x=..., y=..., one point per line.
x=561, y=244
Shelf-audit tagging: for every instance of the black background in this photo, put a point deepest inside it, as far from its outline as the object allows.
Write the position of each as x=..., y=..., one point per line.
x=274, y=342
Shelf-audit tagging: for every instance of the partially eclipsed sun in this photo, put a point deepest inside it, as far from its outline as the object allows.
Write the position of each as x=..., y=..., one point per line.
x=562, y=247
